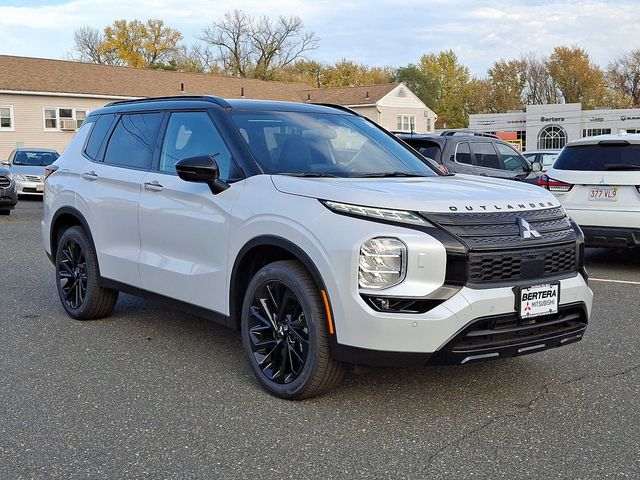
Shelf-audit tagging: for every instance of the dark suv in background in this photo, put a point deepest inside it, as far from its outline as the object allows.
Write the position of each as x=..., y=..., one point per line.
x=473, y=153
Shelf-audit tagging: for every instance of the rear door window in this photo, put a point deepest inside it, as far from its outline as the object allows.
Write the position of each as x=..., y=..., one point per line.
x=98, y=132
x=599, y=158
x=133, y=140
x=485, y=155
x=463, y=154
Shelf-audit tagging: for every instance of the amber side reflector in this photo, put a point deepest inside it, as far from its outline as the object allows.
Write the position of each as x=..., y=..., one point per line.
x=326, y=307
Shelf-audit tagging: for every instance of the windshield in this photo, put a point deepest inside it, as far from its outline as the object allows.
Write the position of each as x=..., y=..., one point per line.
x=35, y=159
x=601, y=157
x=317, y=144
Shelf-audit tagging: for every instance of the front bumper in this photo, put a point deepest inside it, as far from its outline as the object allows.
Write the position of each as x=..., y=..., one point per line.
x=440, y=335
x=8, y=198
x=30, y=188
x=611, y=237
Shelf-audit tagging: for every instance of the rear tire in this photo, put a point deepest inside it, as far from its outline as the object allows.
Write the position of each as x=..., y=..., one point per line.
x=285, y=334
x=77, y=277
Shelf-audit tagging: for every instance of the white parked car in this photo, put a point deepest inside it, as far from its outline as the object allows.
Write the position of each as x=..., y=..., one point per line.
x=317, y=233
x=597, y=179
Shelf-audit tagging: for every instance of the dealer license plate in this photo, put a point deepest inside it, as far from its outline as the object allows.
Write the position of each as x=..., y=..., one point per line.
x=604, y=194
x=539, y=300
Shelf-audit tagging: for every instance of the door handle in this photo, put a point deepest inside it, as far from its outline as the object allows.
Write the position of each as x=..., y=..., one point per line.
x=153, y=186
x=91, y=176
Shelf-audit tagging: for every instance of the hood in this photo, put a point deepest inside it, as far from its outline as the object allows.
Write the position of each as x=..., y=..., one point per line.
x=458, y=193
x=27, y=170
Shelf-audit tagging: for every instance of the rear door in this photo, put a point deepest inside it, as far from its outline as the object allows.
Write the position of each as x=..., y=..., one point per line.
x=113, y=193
x=184, y=228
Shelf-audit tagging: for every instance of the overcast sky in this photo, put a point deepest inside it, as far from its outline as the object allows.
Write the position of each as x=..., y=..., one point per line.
x=391, y=32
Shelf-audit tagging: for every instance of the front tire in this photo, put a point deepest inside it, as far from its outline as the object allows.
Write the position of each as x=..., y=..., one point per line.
x=285, y=335
x=77, y=277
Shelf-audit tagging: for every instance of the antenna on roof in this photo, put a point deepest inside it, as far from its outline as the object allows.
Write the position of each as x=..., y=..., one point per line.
x=242, y=92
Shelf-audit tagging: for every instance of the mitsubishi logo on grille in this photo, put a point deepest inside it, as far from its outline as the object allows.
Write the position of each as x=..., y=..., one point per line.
x=526, y=230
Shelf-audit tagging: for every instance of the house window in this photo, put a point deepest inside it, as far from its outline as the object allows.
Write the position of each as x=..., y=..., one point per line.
x=552, y=137
x=406, y=123
x=58, y=119
x=6, y=117
x=428, y=124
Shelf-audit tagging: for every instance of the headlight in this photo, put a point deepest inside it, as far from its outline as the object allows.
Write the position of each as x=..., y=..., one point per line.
x=382, y=263
x=402, y=216
x=17, y=176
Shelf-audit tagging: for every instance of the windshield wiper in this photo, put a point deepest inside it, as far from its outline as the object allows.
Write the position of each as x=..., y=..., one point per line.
x=388, y=174
x=309, y=174
x=621, y=166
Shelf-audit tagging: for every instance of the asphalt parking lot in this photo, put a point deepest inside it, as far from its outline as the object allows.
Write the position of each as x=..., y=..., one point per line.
x=153, y=393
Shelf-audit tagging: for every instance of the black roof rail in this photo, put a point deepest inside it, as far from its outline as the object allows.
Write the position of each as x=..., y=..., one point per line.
x=451, y=133
x=336, y=106
x=221, y=102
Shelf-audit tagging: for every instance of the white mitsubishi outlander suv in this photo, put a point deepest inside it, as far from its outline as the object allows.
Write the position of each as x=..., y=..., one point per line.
x=318, y=234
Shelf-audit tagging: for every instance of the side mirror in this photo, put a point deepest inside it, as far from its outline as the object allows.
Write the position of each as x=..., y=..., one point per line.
x=6, y=163
x=536, y=167
x=202, y=169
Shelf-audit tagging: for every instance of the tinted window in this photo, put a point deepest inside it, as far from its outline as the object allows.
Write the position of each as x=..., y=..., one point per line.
x=190, y=134
x=132, y=142
x=426, y=148
x=319, y=143
x=463, y=153
x=602, y=157
x=485, y=155
x=511, y=159
x=98, y=132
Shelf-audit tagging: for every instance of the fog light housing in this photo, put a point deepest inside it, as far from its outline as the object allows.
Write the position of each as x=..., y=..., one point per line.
x=382, y=263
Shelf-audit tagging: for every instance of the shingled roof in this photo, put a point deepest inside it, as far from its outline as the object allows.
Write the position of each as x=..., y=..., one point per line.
x=62, y=76
x=349, y=95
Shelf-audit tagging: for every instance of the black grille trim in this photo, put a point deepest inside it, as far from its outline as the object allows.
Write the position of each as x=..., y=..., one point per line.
x=522, y=264
x=498, y=254
x=4, y=181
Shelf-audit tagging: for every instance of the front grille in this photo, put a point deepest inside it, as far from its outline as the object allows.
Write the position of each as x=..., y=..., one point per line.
x=484, y=231
x=4, y=181
x=515, y=265
x=499, y=253
x=509, y=330
x=33, y=178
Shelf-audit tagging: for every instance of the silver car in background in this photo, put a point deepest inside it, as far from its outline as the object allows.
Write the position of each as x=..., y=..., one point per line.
x=27, y=166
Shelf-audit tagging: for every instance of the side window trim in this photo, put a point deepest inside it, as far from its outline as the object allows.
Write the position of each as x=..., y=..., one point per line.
x=471, y=155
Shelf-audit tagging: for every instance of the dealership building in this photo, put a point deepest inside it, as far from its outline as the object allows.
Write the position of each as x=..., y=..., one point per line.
x=552, y=126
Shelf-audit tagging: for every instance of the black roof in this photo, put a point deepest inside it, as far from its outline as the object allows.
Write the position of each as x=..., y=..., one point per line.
x=206, y=101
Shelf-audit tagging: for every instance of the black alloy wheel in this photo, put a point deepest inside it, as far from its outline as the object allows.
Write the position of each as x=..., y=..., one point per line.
x=77, y=277
x=72, y=274
x=278, y=332
x=285, y=332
